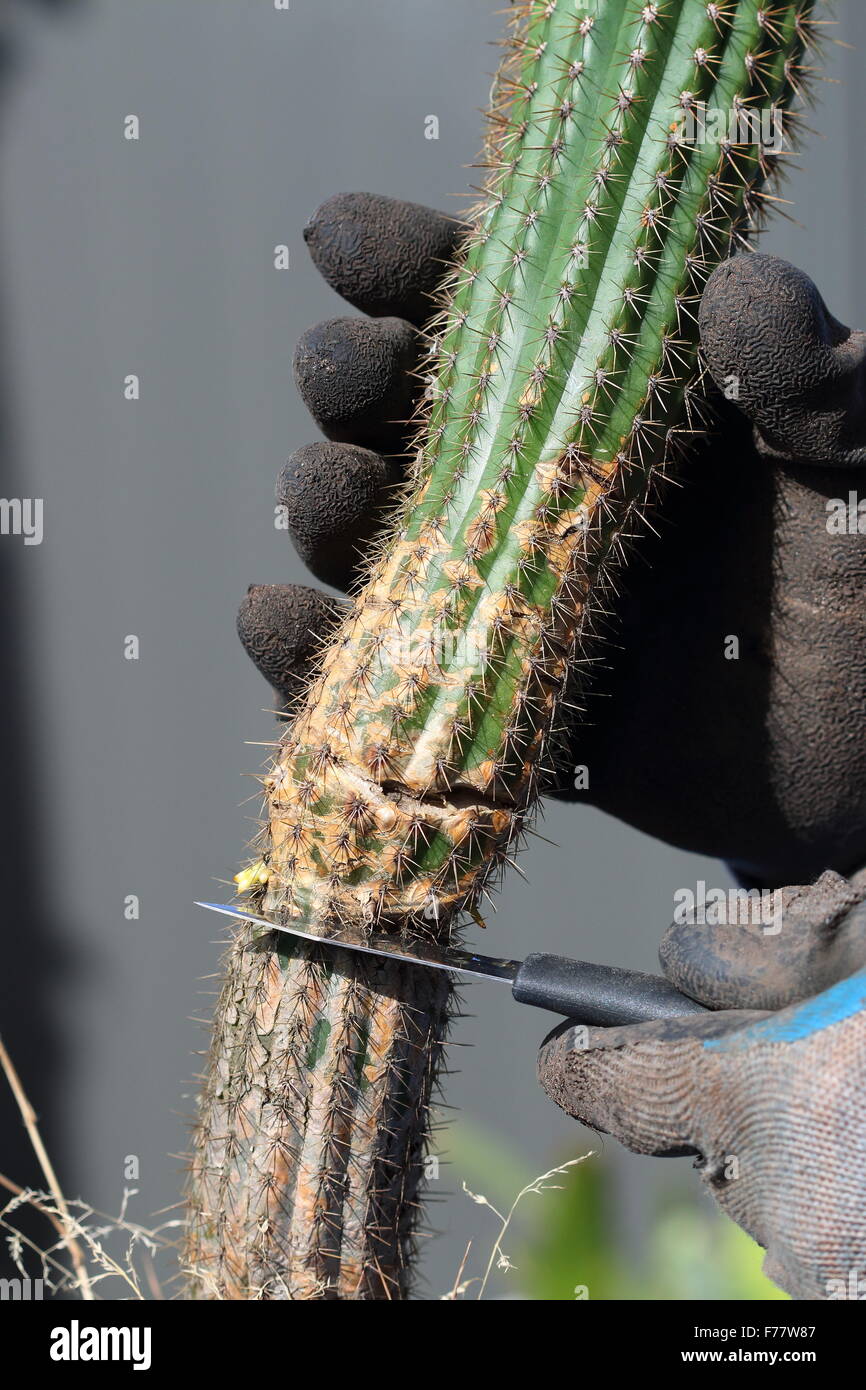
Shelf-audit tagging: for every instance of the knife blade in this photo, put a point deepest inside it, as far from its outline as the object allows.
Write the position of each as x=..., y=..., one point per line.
x=597, y=995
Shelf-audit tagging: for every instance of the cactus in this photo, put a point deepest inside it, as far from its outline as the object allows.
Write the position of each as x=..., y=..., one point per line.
x=563, y=373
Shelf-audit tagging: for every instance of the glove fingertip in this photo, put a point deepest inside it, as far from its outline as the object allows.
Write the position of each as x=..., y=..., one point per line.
x=336, y=497
x=356, y=378
x=281, y=628
x=637, y=1083
x=774, y=348
x=383, y=255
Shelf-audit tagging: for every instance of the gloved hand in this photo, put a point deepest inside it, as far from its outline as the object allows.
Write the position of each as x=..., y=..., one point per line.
x=729, y=718
x=771, y=1103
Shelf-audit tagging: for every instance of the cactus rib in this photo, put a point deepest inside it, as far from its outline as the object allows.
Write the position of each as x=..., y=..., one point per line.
x=563, y=372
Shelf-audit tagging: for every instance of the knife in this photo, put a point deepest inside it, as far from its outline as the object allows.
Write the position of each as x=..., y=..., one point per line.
x=598, y=995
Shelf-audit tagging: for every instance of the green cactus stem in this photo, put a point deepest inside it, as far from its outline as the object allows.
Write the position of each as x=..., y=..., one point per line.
x=564, y=367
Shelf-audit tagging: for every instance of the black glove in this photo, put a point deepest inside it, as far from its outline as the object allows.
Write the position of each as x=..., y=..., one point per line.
x=728, y=717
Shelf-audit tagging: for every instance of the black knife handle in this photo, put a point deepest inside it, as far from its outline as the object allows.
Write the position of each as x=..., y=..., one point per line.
x=600, y=995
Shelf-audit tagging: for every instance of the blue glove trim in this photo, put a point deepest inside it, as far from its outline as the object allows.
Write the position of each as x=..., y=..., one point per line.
x=845, y=999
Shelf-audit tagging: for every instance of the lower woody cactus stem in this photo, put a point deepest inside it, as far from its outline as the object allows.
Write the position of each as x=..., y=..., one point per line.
x=316, y=1115
x=563, y=362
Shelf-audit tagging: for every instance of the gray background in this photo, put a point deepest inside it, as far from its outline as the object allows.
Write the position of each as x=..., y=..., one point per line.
x=127, y=777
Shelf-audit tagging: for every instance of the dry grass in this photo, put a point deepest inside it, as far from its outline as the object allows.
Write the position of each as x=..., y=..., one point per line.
x=498, y=1258
x=91, y=1248
x=99, y=1256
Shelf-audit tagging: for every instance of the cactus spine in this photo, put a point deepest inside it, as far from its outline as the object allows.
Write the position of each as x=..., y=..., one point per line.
x=563, y=363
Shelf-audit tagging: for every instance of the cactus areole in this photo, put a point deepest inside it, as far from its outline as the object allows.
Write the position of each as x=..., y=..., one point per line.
x=563, y=371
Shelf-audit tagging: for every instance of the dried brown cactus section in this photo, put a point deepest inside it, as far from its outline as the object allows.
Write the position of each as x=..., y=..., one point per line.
x=311, y=1144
